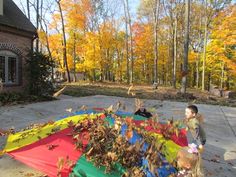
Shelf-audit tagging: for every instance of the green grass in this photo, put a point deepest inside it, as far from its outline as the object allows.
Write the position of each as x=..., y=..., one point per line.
x=82, y=90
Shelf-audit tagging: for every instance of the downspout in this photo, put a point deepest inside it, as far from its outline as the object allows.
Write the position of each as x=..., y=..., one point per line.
x=32, y=42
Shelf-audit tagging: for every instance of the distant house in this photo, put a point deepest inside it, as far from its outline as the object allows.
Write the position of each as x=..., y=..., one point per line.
x=17, y=34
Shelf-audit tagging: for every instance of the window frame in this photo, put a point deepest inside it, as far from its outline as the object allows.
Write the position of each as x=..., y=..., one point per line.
x=9, y=54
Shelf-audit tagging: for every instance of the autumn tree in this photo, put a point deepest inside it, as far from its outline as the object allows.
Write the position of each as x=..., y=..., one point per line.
x=221, y=50
x=211, y=10
x=64, y=40
x=98, y=38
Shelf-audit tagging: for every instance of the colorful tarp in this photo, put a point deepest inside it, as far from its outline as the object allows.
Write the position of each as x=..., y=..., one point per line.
x=45, y=153
x=44, y=147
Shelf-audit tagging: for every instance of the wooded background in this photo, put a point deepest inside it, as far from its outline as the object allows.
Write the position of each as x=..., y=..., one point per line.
x=179, y=43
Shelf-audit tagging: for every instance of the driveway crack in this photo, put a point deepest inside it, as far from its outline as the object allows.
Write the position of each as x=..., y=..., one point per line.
x=227, y=120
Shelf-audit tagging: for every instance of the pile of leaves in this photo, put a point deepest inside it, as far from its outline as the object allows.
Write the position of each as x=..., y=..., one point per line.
x=107, y=147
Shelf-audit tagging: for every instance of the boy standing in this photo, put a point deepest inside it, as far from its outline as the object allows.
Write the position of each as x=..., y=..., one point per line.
x=193, y=122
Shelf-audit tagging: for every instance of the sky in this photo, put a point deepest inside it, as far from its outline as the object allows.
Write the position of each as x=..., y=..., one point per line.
x=133, y=4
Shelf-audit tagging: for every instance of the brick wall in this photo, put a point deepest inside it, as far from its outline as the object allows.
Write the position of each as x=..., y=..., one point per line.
x=19, y=45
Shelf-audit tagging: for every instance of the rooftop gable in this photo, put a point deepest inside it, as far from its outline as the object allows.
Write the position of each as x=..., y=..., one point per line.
x=14, y=17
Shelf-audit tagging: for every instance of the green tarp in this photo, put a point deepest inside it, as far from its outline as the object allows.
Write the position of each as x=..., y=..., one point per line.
x=85, y=168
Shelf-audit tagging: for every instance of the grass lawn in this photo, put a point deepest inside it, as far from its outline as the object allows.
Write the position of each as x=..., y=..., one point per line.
x=145, y=92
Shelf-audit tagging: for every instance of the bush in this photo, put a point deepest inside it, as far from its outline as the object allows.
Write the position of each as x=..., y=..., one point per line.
x=38, y=70
x=9, y=98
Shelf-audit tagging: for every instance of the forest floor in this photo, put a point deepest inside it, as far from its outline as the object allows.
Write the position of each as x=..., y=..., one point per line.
x=146, y=92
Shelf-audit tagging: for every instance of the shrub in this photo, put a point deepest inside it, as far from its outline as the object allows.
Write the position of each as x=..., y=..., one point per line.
x=38, y=70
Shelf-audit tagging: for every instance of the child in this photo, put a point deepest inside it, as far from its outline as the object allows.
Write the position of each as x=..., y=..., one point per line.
x=193, y=121
x=189, y=162
x=143, y=112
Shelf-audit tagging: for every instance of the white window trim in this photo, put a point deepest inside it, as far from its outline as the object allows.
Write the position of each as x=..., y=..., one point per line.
x=7, y=55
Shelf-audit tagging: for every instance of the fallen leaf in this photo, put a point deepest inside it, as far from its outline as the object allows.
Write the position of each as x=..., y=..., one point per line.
x=215, y=160
x=130, y=88
x=69, y=110
x=60, y=163
x=52, y=146
x=59, y=92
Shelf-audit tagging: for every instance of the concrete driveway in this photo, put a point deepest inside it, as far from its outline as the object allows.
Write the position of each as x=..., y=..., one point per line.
x=220, y=125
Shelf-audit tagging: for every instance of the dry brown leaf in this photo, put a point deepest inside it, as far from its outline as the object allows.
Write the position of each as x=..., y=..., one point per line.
x=83, y=108
x=129, y=134
x=118, y=105
x=52, y=146
x=110, y=109
x=59, y=92
x=29, y=174
x=130, y=88
x=60, y=163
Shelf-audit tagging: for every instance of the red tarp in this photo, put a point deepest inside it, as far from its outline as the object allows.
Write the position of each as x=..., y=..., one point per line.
x=38, y=155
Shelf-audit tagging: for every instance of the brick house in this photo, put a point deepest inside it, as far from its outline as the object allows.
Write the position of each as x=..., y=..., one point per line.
x=17, y=34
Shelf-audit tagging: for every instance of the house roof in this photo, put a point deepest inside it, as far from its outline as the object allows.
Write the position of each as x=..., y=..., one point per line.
x=14, y=17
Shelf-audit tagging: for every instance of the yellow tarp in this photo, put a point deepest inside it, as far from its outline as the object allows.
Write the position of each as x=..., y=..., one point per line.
x=169, y=149
x=20, y=139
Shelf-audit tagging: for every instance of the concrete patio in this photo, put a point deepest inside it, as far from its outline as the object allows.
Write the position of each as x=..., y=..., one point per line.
x=220, y=126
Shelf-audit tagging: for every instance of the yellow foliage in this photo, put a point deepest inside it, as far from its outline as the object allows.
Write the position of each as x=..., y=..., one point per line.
x=223, y=40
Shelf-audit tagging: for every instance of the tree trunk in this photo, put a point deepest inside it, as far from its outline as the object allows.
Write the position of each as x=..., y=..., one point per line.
x=222, y=75
x=209, y=81
x=227, y=82
x=186, y=45
x=64, y=43
x=204, y=48
x=121, y=68
x=28, y=9
x=131, y=43
x=48, y=49
x=175, y=52
x=94, y=75
x=163, y=71
x=94, y=60
x=37, y=24
x=197, y=73
x=145, y=68
x=127, y=44
x=40, y=18
x=119, y=65
x=74, y=58
x=156, y=16
x=194, y=76
x=198, y=53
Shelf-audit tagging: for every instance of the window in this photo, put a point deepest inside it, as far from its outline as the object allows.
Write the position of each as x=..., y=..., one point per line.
x=2, y=68
x=8, y=68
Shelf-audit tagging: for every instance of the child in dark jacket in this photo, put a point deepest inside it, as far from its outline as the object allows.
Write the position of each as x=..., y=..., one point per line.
x=143, y=112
